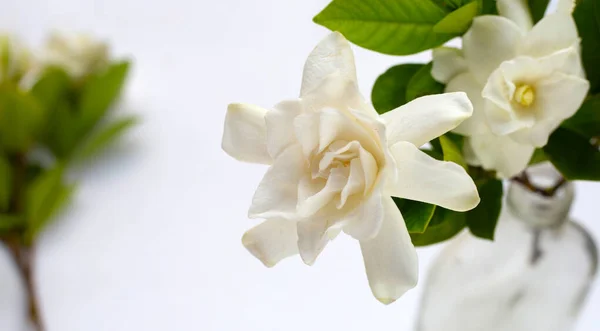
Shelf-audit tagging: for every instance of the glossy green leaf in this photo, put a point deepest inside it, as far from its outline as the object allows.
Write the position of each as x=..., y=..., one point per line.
x=5, y=183
x=21, y=117
x=389, y=90
x=99, y=94
x=422, y=83
x=44, y=198
x=573, y=155
x=399, y=27
x=482, y=220
x=62, y=134
x=105, y=137
x=586, y=121
x=538, y=9
x=458, y=21
x=452, y=150
x=51, y=88
x=587, y=18
x=417, y=215
x=444, y=225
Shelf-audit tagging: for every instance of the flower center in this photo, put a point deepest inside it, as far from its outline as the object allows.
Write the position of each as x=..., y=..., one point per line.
x=524, y=95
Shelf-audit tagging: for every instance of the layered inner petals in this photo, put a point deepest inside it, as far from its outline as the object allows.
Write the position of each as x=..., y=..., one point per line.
x=341, y=171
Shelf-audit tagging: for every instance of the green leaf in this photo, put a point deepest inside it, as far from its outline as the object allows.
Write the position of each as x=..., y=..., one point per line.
x=5, y=183
x=538, y=9
x=538, y=157
x=488, y=7
x=458, y=21
x=11, y=223
x=586, y=121
x=482, y=219
x=105, y=137
x=46, y=195
x=99, y=93
x=573, y=155
x=422, y=83
x=587, y=18
x=51, y=88
x=452, y=150
x=416, y=214
x=444, y=225
x=62, y=135
x=399, y=27
x=21, y=117
x=389, y=90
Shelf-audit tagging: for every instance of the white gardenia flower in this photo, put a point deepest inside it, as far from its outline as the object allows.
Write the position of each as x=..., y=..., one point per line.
x=78, y=54
x=335, y=163
x=523, y=83
x=15, y=59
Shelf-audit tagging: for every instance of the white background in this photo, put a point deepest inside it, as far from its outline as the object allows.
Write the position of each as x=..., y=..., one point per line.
x=152, y=240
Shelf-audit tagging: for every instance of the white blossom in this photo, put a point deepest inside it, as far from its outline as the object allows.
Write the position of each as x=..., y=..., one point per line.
x=523, y=83
x=335, y=164
x=78, y=54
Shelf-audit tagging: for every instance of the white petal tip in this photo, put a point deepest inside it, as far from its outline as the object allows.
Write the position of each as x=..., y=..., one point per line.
x=386, y=301
x=307, y=261
x=255, y=250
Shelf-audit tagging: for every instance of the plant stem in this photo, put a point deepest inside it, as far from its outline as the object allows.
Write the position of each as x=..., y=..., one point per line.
x=523, y=179
x=21, y=253
x=23, y=258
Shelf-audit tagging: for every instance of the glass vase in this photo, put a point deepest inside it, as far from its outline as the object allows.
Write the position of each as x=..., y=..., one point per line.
x=534, y=276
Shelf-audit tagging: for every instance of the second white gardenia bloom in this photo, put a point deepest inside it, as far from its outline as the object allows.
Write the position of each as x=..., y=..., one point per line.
x=335, y=163
x=523, y=83
x=78, y=54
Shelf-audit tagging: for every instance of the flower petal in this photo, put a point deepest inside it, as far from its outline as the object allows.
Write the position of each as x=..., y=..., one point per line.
x=277, y=193
x=423, y=178
x=426, y=118
x=517, y=11
x=552, y=33
x=506, y=121
x=565, y=6
x=447, y=63
x=501, y=153
x=332, y=54
x=312, y=204
x=558, y=98
x=356, y=181
x=244, y=136
x=467, y=83
x=390, y=258
x=364, y=222
x=567, y=61
x=272, y=240
x=490, y=41
x=312, y=238
x=337, y=125
x=280, y=126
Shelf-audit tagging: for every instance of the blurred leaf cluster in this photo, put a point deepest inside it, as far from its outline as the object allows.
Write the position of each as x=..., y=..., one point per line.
x=52, y=117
